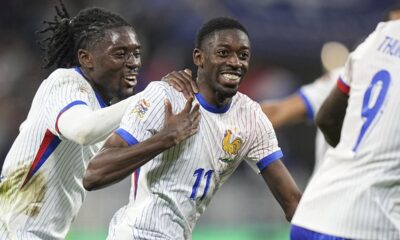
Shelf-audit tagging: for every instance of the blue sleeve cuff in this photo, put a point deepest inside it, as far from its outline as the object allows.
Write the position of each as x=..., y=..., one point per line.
x=309, y=109
x=131, y=140
x=265, y=162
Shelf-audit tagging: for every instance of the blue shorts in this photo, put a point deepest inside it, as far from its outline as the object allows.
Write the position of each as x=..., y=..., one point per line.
x=299, y=233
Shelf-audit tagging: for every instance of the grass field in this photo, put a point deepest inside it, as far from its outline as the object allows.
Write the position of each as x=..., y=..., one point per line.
x=210, y=233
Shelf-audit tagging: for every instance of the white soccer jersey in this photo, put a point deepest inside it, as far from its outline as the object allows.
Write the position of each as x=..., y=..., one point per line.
x=356, y=191
x=41, y=186
x=170, y=192
x=313, y=95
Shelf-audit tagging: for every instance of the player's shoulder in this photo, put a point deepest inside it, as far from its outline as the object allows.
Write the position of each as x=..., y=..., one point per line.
x=65, y=75
x=157, y=85
x=163, y=88
x=243, y=101
x=385, y=26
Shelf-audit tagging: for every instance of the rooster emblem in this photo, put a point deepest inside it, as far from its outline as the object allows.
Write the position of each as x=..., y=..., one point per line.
x=230, y=147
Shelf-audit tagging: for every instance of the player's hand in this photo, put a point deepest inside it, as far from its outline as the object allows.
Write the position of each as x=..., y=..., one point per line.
x=182, y=81
x=184, y=124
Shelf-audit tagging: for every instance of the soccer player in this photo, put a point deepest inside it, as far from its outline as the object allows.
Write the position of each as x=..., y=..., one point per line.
x=354, y=194
x=172, y=189
x=98, y=58
x=306, y=102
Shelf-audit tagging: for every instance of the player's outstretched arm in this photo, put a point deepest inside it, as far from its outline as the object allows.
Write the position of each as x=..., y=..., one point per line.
x=116, y=160
x=77, y=123
x=183, y=82
x=287, y=111
x=283, y=187
x=331, y=115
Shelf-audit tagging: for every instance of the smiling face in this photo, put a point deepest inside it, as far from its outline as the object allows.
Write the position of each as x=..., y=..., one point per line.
x=112, y=64
x=222, y=61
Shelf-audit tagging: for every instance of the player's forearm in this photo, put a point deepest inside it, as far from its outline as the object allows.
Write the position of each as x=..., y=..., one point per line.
x=286, y=111
x=331, y=115
x=112, y=164
x=83, y=126
x=283, y=187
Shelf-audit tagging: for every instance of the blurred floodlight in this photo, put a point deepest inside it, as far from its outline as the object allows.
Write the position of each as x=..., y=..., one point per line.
x=333, y=55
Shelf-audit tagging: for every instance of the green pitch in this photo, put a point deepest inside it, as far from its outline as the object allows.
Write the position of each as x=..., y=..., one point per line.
x=210, y=233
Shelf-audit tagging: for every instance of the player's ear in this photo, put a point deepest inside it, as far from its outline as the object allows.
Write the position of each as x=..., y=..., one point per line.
x=85, y=58
x=198, y=57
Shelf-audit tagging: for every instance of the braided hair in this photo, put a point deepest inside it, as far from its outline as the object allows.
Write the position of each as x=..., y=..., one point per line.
x=68, y=35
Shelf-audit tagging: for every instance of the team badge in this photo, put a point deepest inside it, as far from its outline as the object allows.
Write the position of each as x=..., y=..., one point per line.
x=141, y=108
x=231, y=145
x=83, y=88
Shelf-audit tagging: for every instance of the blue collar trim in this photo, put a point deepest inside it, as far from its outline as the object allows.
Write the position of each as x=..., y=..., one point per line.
x=99, y=98
x=210, y=107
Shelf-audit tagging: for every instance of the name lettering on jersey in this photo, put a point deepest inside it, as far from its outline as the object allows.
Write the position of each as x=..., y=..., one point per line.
x=390, y=46
x=140, y=109
x=231, y=145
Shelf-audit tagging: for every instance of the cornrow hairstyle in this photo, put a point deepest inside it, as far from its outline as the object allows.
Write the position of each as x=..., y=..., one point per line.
x=215, y=24
x=68, y=35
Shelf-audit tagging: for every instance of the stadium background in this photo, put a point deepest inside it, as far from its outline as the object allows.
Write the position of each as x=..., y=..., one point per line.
x=287, y=37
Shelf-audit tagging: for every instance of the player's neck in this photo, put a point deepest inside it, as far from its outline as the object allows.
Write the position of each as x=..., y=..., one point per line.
x=213, y=98
x=95, y=86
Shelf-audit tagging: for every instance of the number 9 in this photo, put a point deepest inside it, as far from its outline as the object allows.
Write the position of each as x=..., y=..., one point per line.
x=382, y=77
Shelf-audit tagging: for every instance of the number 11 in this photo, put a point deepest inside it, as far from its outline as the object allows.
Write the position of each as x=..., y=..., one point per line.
x=199, y=175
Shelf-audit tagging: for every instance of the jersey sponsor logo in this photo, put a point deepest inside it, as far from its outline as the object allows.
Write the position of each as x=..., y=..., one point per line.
x=231, y=144
x=141, y=108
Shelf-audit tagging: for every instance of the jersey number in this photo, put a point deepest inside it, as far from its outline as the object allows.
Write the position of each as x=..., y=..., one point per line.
x=368, y=113
x=199, y=175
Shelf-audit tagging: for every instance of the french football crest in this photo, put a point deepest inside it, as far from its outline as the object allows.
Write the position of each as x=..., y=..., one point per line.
x=231, y=145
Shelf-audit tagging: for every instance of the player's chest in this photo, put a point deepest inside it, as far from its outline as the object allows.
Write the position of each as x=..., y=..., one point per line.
x=223, y=142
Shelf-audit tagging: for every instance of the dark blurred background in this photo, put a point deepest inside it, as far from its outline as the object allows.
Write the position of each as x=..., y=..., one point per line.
x=287, y=37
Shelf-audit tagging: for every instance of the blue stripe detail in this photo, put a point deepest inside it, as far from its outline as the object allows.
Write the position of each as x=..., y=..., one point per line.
x=50, y=149
x=77, y=102
x=99, y=98
x=137, y=175
x=309, y=109
x=131, y=140
x=210, y=107
x=299, y=233
x=265, y=162
x=74, y=103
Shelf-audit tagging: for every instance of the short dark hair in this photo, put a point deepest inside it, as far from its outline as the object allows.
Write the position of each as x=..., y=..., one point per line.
x=388, y=11
x=67, y=35
x=215, y=24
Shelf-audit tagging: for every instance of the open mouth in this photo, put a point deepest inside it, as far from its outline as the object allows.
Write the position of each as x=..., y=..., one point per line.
x=130, y=80
x=231, y=78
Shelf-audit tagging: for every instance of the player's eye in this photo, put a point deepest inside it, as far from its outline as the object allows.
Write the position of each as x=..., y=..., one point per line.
x=244, y=55
x=119, y=54
x=137, y=54
x=222, y=53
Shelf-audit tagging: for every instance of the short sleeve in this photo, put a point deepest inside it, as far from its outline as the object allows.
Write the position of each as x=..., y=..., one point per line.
x=345, y=79
x=67, y=91
x=315, y=93
x=264, y=148
x=145, y=115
